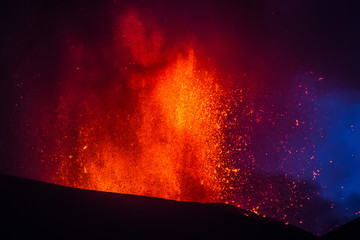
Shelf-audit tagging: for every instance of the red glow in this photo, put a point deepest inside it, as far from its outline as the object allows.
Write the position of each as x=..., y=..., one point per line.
x=163, y=139
x=139, y=110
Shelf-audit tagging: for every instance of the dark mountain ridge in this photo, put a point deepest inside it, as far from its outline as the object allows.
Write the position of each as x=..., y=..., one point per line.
x=37, y=209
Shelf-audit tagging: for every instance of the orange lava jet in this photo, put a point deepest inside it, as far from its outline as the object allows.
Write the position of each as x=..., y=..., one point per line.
x=165, y=141
x=184, y=101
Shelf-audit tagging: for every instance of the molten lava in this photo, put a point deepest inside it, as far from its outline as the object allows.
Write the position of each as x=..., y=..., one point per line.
x=165, y=139
x=173, y=147
x=139, y=110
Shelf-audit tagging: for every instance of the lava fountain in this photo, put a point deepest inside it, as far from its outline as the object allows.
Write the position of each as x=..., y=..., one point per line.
x=143, y=108
x=163, y=138
x=174, y=146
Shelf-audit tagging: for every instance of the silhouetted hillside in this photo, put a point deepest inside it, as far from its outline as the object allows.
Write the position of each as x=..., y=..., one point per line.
x=37, y=209
x=348, y=231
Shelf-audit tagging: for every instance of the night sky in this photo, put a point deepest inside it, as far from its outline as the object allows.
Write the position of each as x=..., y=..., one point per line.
x=289, y=78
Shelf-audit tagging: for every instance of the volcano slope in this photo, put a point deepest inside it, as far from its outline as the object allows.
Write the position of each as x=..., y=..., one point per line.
x=37, y=209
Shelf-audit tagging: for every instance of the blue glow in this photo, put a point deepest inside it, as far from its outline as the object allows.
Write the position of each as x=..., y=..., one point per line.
x=339, y=153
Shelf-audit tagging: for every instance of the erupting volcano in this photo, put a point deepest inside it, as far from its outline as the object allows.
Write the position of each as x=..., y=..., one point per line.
x=147, y=116
x=189, y=103
x=164, y=138
x=150, y=114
